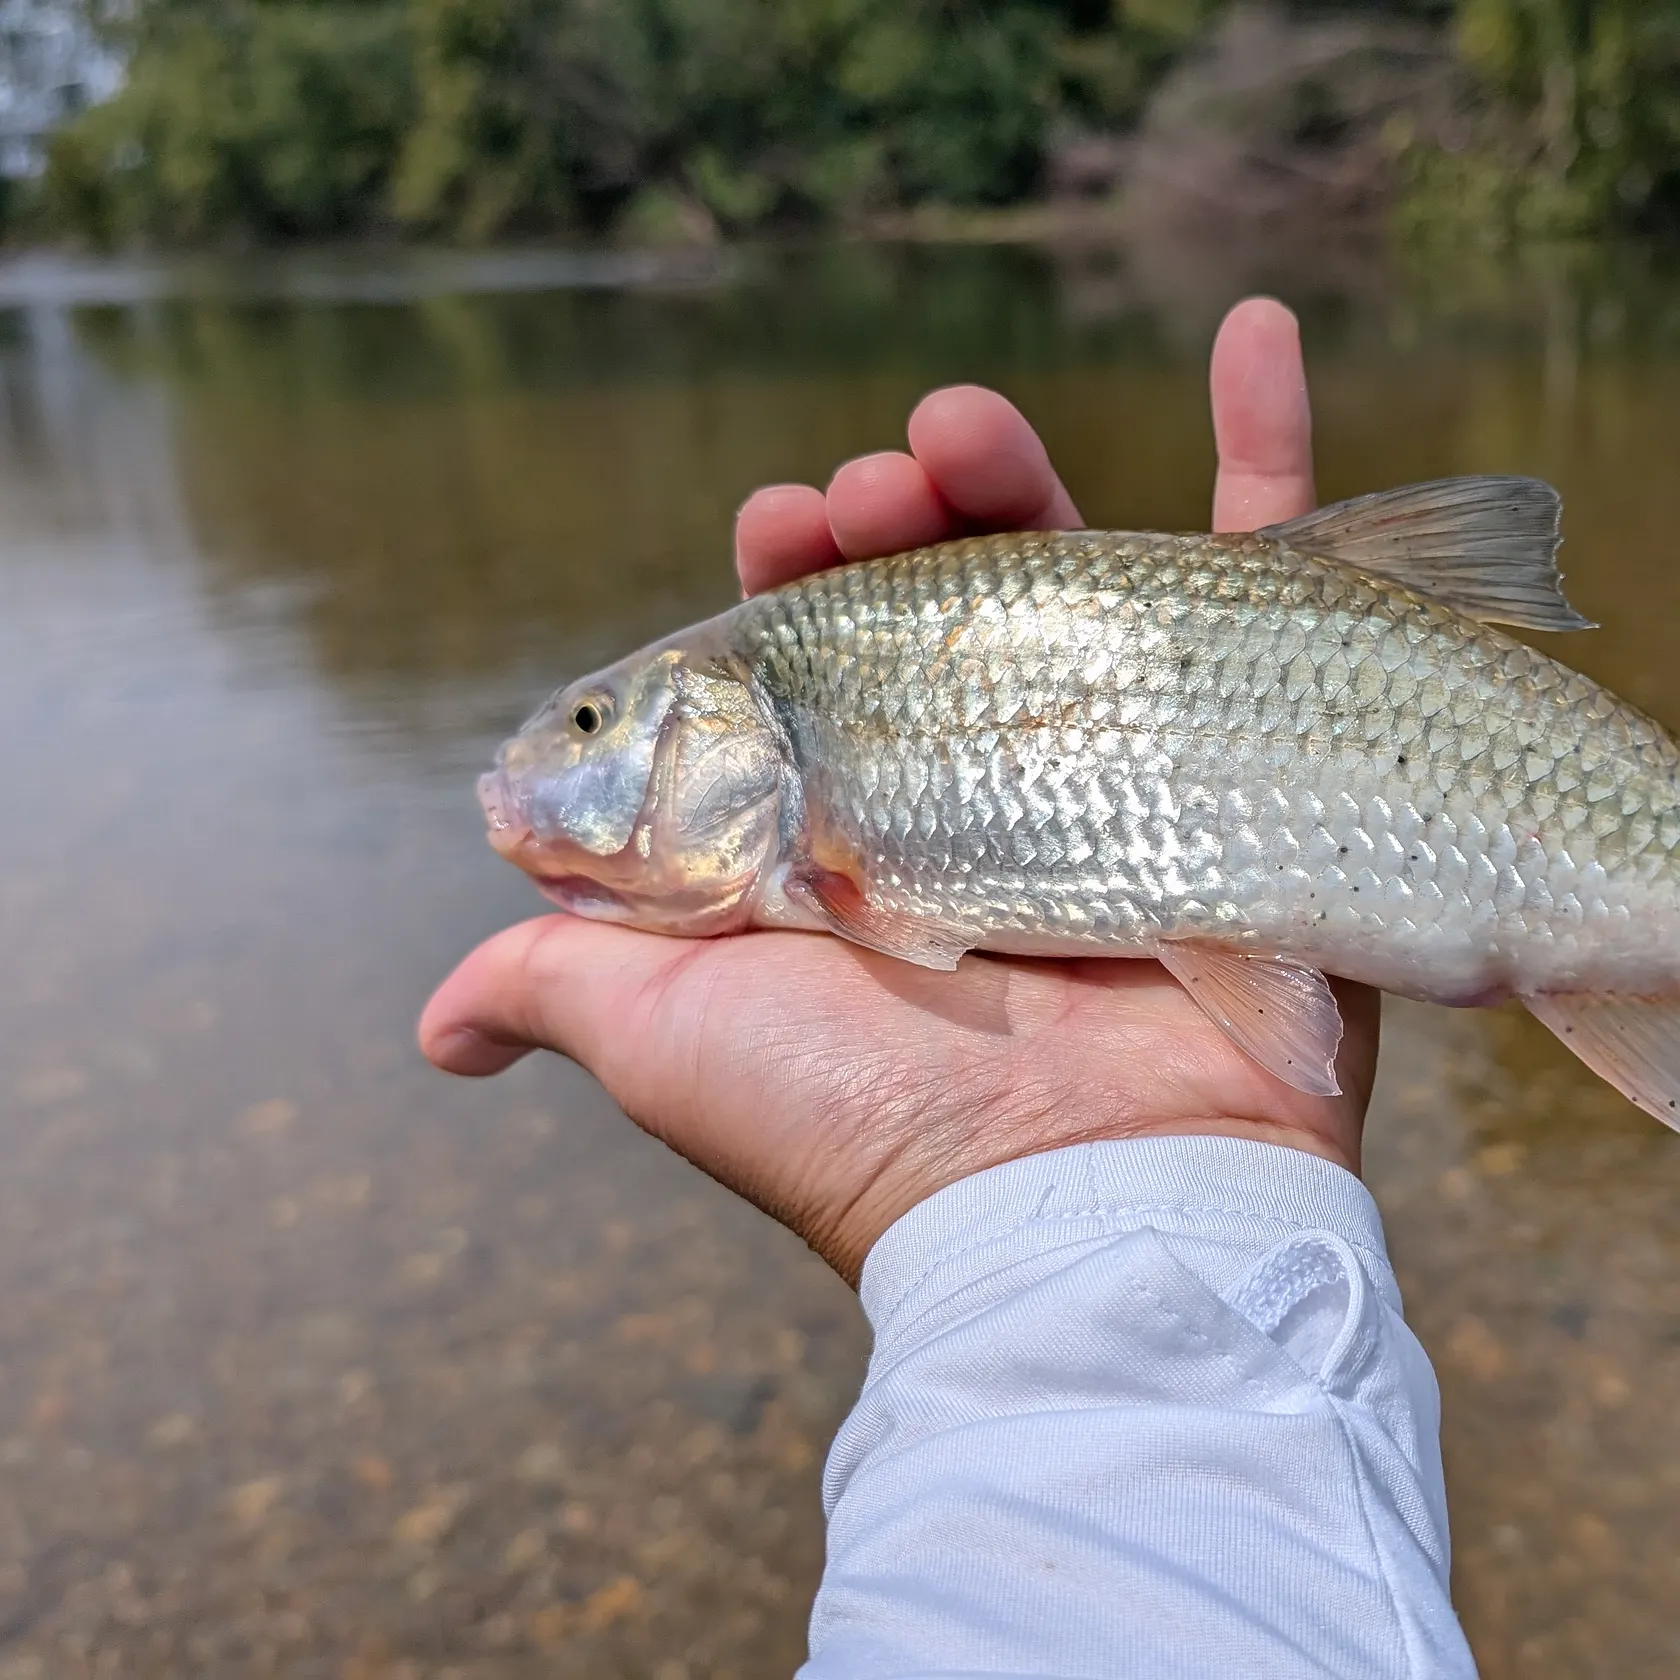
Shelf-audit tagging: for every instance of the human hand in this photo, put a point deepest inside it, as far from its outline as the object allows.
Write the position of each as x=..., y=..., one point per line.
x=836, y=1088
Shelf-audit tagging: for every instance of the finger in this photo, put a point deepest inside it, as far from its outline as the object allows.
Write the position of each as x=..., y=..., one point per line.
x=986, y=462
x=782, y=533
x=885, y=504
x=1262, y=421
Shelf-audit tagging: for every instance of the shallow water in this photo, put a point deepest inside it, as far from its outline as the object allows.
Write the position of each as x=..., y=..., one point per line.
x=313, y=1362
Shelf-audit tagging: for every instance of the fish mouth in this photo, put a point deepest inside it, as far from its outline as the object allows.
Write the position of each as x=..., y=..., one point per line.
x=511, y=834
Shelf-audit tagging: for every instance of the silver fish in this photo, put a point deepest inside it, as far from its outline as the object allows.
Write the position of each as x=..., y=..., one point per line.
x=1258, y=758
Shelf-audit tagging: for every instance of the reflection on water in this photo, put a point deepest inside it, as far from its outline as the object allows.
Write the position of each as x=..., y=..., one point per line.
x=312, y=1362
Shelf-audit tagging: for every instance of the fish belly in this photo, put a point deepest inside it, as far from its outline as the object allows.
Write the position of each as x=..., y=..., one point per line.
x=1099, y=844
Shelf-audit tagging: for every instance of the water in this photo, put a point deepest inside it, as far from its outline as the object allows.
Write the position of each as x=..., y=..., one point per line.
x=313, y=1362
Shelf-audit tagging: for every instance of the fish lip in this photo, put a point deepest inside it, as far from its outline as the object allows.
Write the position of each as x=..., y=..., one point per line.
x=508, y=828
x=582, y=895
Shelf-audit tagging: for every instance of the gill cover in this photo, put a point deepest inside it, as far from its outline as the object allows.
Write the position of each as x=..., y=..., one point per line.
x=712, y=821
x=717, y=764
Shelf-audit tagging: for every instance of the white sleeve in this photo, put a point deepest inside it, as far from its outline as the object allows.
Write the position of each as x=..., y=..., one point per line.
x=1139, y=1409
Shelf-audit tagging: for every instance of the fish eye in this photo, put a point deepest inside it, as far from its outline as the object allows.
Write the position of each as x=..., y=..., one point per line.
x=589, y=715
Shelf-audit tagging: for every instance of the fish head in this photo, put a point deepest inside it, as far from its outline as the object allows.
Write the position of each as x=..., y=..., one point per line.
x=650, y=793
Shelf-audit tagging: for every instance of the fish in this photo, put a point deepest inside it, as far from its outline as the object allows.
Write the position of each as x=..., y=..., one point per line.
x=1260, y=759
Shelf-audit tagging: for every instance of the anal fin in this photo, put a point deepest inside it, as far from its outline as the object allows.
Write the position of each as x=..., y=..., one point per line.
x=1631, y=1042
x=842, y=904
x=1281, y=1012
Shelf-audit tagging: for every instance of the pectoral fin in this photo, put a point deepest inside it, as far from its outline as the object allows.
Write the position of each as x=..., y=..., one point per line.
x=1632, y=1042
x=1279, y=1011
x=842, y=904
x=1485, y=546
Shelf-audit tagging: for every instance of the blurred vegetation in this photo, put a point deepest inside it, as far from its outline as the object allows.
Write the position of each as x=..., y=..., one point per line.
x=672, y=120
x=271, y=120
x=1578, y=129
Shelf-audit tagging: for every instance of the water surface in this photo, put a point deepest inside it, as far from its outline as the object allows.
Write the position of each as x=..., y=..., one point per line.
x=313, y=1362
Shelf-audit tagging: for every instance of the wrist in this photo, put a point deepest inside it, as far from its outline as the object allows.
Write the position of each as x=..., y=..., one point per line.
x=845, y=1239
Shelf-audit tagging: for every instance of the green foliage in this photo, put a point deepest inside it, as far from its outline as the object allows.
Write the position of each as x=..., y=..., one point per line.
x=528, y=110
x=1582, y=127
x=240, y=118
x=537, y=111
x=680, y=119
x=476, y=118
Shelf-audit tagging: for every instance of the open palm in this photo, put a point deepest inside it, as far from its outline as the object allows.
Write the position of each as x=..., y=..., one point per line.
x=836, y=1088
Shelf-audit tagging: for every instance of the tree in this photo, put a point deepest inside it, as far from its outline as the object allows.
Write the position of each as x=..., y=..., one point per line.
x=242, y=118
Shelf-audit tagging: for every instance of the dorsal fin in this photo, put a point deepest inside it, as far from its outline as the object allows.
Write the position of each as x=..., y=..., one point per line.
x=1485, y=546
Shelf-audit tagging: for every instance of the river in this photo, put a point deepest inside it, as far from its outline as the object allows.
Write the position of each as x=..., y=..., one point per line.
x=316, y=1363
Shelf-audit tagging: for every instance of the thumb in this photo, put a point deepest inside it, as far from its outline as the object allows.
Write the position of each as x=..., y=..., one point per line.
x=702, y=1042
x=556, y=983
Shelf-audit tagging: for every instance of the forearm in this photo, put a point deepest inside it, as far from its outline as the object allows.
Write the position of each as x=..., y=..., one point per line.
x=1139, y=1409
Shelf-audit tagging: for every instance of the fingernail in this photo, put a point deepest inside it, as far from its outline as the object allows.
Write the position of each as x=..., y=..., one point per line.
x=468, y=1051
x=460, y=1040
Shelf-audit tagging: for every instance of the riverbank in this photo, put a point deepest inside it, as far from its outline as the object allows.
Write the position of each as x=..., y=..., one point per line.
x=1479, y=120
